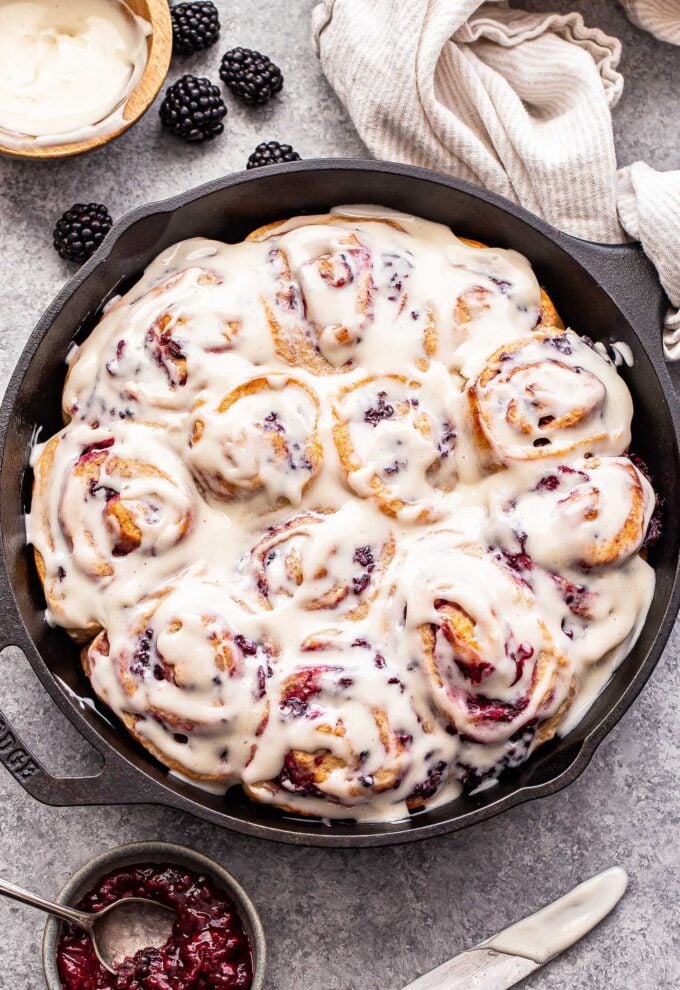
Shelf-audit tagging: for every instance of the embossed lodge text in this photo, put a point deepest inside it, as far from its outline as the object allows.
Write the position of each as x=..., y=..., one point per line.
x=15, y=758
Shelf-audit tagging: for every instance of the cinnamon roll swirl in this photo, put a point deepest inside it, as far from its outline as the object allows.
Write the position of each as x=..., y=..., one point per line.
x=350, y=286
x=261, y=436
x=491, y=663
x=343, y=740
x=599, y=613
x=591, y=513
x=185, y=677
x=395, y=444
x=176, y=333
x=102, y=500
x=485, y=310
x=322, y=561
x=546, y=397
x=476, y=301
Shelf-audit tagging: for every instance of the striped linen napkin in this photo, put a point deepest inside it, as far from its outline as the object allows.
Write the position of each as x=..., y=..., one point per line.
x=661, y=17
x=517, y=102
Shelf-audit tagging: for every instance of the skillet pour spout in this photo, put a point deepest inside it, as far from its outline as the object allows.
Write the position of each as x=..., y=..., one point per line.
x=610, y=293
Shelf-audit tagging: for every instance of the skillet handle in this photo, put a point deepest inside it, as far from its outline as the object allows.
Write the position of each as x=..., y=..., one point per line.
x=116, y=783
x=629, y=277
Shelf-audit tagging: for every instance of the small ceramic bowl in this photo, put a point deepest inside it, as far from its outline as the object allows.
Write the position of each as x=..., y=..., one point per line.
x=154, y=852
x=157, y=12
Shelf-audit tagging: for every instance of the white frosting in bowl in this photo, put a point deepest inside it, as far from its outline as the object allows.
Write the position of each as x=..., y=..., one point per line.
x=344, y=514
x=66, y=66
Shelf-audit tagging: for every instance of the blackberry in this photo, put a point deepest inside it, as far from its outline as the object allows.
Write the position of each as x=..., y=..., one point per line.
x=80, y=231
x=195, y=26
x=251, y=76
x=193, y=109
x=271, y=153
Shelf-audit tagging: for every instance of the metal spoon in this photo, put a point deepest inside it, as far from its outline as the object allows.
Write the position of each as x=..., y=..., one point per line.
x=117, y=932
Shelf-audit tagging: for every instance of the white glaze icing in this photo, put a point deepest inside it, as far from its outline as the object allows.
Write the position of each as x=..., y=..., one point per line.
x=554, y=928
x=590, y=512
x=356, y=585
x=66, y=67
x=549, y=396
x=619, y=351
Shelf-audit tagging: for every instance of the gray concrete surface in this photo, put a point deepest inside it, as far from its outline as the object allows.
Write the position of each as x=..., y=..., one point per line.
x=367, y=919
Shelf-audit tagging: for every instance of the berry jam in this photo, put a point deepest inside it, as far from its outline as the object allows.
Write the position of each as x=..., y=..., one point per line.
x=208, y=948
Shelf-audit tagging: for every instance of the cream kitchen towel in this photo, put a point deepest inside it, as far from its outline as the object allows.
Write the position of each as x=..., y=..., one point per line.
x=661, y=17
x=518, y=102
x=649, y=208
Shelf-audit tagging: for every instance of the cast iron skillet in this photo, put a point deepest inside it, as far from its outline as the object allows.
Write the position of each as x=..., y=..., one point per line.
x=611, y=293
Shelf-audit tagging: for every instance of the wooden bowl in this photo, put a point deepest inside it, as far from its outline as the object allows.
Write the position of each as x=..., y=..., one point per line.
x=159, y=43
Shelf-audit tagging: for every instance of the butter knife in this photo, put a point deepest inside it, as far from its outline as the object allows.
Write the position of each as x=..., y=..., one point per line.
x=509, y=957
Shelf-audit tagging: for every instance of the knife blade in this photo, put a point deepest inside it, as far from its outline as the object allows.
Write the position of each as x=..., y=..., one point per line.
x=509, y=957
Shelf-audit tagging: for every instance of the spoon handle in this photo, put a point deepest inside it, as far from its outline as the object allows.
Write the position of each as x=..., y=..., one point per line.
x=80, y=918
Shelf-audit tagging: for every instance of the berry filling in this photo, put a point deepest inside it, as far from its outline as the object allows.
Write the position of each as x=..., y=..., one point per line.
x=299, y=778
x=300, y=689
x=381, y=410
x=208, y=948
x=429, y=787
